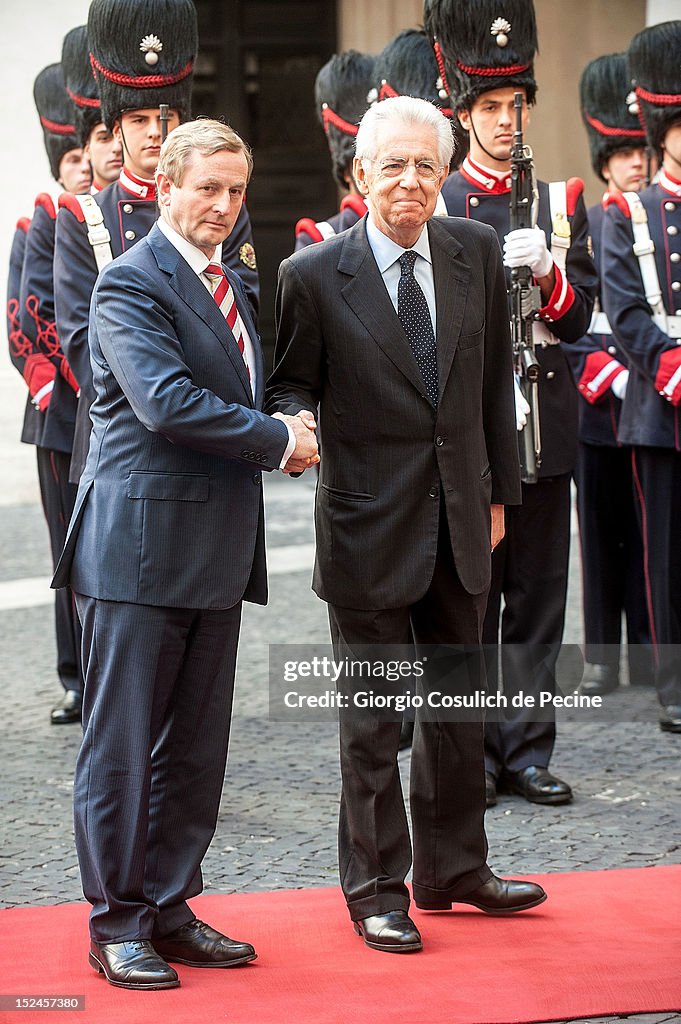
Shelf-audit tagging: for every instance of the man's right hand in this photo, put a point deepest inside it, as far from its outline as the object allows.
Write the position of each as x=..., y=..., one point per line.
x=306, y=452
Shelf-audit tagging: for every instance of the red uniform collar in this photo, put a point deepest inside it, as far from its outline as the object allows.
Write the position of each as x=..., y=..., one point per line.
x=142, y=188
x=669, y=184
x=485, y=179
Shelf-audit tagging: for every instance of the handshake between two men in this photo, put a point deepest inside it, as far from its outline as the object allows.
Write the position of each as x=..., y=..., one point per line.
x=306, y=451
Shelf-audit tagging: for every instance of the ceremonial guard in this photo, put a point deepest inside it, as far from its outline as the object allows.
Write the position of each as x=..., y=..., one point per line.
x=641, y=245
x=486, y=50
x=51, y=382
x=341, y=97
x=610, y=537
x=142, y=55
x=100, y=147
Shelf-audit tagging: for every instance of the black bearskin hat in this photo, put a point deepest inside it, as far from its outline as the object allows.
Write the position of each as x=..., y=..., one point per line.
x=57, y=117
x=142, y=53
x=340, y=91
x=80, y=82
x=604, y=90
x=654, y=58
x=482, y=45
x=407, y=67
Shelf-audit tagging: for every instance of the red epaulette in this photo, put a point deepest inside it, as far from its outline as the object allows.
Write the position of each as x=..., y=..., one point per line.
x=355, y=203
x=67, y=201
x=618, y=200
x=45, y=200
x=306, y=226
x=23, y=224
x=574, y=188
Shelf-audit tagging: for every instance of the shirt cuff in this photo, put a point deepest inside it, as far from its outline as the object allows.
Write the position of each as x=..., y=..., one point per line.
x=290, y=447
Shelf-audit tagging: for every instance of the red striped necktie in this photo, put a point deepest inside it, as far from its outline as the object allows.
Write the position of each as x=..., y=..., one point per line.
x=224, y=296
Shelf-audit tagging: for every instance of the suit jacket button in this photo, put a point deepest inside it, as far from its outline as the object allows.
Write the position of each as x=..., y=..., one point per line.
x=550, y=375
x=127, y=208
x=439, y=441
x=434, y=491
x=130, y=235
x=256, y=478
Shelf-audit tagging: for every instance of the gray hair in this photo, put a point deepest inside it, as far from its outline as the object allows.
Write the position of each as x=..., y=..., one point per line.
x=205, y=135
x=404, y=110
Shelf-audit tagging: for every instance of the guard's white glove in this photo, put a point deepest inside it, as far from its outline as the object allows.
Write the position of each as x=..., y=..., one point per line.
x=526, y=247
x=619, y=385
x=522, y=407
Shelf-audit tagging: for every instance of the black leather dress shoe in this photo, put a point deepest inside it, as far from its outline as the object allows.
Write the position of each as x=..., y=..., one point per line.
x=198, y=945
x=539, y=786
x=394, y=932
x=496, y=896
x=490, y=790
x=599, y=679
x=670, y=718
x=68, y=709
x=132, y=964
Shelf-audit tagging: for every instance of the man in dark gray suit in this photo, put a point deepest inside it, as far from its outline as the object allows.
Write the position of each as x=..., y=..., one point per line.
x=166, y=540
x=399, y=329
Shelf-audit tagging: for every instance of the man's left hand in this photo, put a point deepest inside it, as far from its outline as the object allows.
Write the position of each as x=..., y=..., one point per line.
x=498, y=524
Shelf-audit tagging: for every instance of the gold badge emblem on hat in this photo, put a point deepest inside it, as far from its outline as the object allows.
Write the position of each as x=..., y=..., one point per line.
x=247, y=255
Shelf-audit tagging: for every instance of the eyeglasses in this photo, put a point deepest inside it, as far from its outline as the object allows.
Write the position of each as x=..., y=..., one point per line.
x=396, y=167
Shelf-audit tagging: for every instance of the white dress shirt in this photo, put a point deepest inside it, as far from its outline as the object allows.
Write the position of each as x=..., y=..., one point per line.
x=387, y=254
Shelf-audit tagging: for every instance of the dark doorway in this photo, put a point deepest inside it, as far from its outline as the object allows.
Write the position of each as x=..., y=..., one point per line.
x=257, y=64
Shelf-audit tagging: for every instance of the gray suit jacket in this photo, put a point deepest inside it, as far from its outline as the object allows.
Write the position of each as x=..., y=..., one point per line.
x=169, y=509
x=388, y=457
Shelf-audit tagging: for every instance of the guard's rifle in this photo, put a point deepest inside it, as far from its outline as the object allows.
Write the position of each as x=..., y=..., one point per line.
x=525, y=299
x=163, y=109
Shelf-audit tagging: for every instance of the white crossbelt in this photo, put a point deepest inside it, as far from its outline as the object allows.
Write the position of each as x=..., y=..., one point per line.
x=644, y=250
x=98, y=234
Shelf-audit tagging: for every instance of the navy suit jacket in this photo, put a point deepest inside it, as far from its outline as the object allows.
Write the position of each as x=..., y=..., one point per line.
x=169, y=509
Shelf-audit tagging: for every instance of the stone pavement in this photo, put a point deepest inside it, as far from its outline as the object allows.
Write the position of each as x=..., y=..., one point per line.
x=278, y=815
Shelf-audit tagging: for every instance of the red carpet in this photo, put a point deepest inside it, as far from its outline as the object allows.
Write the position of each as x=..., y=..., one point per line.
x=605, y=942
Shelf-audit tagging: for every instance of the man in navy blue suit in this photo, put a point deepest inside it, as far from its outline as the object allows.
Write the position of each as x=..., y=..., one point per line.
x=166, y=541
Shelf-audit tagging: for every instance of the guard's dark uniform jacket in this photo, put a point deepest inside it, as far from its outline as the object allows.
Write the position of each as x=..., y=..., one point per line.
x=352, y=209
x=36, y=369
x=610, y=538
x=56, y=399
x=529, y=567
x=470, y=192
x=650, y=419
x=130, y=210
x=37, y=318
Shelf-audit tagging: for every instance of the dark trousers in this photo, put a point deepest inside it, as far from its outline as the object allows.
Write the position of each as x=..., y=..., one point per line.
x=657, y=480
x=447, y=788
x=530, y=572
x=58, y=498
x=156, y=715
x=612, y=560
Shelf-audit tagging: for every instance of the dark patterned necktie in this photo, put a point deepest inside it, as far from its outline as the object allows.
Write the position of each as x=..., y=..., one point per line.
x=412, y=309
